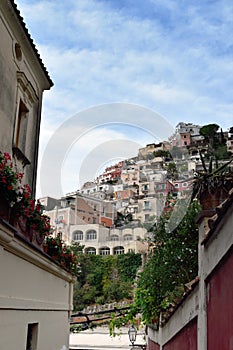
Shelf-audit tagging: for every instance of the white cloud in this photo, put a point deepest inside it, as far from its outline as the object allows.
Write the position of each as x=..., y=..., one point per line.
x=171, y=56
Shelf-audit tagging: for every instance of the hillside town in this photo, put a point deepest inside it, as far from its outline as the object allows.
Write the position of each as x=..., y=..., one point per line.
x=111, y=215
x=182, y=290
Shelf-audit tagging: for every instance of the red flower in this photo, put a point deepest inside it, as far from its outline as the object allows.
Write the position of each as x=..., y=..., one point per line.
x=4, y=180
x=7, y=156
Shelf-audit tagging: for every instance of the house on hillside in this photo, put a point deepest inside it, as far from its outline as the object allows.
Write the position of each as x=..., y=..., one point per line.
x=202, y=319
x=99, y=240
x=91, y=222
x=35, y=292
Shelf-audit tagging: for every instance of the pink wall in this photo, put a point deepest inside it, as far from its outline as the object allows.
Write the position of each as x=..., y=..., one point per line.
x=186, y=339
x=220, y=307
x=152, y=345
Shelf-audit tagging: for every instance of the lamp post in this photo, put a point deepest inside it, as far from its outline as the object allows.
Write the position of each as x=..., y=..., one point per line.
x=132, y=332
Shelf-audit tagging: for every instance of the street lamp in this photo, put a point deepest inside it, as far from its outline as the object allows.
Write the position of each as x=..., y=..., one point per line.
x=132, y=334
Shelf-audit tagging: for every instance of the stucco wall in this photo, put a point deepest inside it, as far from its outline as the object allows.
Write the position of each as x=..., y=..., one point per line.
x=34, y=290
x=22, y=81
x=53, y=329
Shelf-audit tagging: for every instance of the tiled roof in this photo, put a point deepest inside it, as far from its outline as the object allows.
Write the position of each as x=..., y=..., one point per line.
x=214, y=220
x=20, y=18
x=188, y=288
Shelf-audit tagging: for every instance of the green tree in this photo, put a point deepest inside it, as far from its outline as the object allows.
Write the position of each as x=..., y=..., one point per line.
x=172, y=172
x=209, y=132
x=172, y=264
x=105, y=279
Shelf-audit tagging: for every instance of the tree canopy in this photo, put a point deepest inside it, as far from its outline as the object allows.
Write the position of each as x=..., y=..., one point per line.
x=105, y=279
x=172, y=263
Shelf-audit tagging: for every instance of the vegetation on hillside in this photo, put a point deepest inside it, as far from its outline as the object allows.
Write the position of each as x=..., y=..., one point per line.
x=216, y=142
x=105, y=279
x=172, y=263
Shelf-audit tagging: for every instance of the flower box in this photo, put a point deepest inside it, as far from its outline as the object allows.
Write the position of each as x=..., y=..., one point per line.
x=4, y=208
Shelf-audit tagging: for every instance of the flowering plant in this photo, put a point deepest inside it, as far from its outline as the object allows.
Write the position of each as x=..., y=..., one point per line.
x=10, y=180
x=19, y=198
x=54, y=245
x=31, y=211
x=64, y=254
x=37, y=220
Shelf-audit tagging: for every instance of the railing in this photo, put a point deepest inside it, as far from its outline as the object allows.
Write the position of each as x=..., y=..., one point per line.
x=97, y=317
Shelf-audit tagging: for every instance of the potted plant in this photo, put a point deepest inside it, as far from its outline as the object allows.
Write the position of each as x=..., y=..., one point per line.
x=211, y=185
x=10, y=182
x=66, y=255
x=53, y=246
x=37, y=222
x=22, y=209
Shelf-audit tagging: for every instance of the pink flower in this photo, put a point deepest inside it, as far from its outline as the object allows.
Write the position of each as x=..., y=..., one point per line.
x=7, y=156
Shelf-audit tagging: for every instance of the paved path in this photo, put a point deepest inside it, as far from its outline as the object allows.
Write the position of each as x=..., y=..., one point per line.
x=99, y=339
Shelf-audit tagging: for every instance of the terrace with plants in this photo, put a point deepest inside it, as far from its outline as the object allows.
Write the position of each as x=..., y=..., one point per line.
x=19, y=209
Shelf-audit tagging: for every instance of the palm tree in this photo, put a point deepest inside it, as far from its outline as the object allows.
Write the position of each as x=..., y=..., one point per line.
x=211, y=185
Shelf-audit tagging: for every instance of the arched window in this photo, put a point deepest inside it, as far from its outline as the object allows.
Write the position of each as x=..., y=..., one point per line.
x=114, y=238
x=128, y=237
x=104, y=251
x=118, y=250
x=78, y=235
x=91, y=235
x=90, y=250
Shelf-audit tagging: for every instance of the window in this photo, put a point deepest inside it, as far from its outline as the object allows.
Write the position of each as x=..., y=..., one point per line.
x=128, y=237
x=91, y=250
x=77, y=235
x=60, y=218
x=114, y=238
x=146, y=205
x=21, y=131
x=118, y=250
x=32, y=334
x=91, y=235
x=105, y=251
x=130, y=250
x=24, y=120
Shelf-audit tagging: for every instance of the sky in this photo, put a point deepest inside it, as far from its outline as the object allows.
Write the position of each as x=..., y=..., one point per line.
x=123, y=72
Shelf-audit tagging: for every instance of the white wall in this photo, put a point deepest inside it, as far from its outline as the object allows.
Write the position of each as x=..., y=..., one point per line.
x=33, y=290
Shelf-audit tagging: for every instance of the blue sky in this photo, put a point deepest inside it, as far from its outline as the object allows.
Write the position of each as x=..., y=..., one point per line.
x=173, y=57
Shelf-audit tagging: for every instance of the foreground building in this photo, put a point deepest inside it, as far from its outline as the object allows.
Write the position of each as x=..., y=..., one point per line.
x=203, y=319
x=35, y=292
